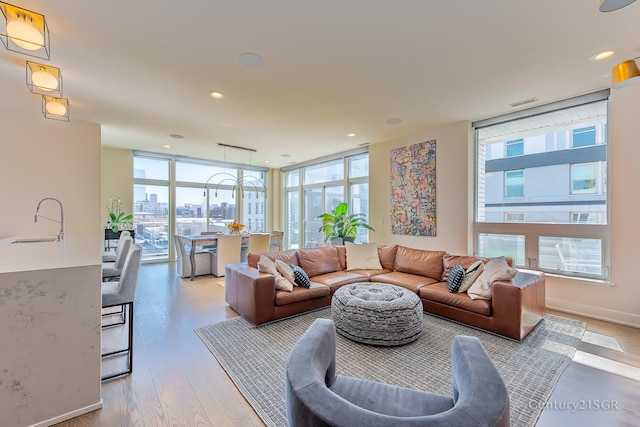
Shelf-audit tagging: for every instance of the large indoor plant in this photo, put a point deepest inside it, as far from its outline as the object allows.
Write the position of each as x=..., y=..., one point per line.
x=341, y=224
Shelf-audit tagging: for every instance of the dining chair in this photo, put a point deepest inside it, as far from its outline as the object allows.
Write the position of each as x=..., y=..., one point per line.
x=226, y=252
x=203, y=258
x=112, y=270
x=277, y=238
x=121, y=294
x=209, y=233
x=108, y=256
x=258, y=242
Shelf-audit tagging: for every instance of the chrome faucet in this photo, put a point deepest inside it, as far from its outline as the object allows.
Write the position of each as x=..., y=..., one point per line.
x=61, y=222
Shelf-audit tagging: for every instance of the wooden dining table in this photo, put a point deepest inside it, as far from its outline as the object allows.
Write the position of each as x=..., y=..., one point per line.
x=206, y=240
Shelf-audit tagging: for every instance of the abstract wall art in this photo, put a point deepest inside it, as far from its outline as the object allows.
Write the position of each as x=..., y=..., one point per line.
x=413, y=189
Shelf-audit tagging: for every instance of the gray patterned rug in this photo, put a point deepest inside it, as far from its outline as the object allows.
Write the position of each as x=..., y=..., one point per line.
x=255, y=357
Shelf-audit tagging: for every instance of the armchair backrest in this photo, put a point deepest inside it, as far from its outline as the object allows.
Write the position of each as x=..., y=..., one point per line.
x=316, y=396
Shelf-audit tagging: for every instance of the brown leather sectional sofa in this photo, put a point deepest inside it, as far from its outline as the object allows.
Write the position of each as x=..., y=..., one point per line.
x=515, y=308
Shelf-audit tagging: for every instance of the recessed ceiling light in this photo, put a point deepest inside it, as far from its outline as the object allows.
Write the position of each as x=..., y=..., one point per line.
x=176, y=136
x=216, y=94
x=166, y=146
x=251, y=60
x=394, y=121
x=602, y=55
x=351, y=134
x=266, y=161
x=285, y=155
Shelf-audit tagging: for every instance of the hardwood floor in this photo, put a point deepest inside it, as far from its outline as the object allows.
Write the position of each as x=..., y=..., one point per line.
x=177, y=382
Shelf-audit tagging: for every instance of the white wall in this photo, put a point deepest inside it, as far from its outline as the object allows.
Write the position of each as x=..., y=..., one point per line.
x=620, y=303
x=47, y=158
x=116, y=179
x=452, y=189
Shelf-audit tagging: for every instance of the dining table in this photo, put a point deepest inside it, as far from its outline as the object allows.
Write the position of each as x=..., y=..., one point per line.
x=205, y=240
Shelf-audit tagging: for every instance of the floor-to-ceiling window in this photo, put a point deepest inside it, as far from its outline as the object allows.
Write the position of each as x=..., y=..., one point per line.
x=541, y=187
x=188, y=196
x=317, y=187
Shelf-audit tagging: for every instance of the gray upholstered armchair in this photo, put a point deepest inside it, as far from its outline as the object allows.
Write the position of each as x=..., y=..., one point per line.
x=316, y=396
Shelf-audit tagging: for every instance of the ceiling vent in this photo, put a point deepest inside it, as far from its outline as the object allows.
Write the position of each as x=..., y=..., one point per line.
x=524, y=101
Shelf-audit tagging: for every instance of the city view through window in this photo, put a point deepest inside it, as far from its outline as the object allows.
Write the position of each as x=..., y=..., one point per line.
x=541, y=190
x=207, y=198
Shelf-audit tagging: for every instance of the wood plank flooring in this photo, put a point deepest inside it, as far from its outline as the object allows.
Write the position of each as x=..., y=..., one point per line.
x=177, y=382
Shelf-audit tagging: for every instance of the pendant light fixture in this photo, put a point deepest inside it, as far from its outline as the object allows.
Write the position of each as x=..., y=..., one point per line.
x=625, y=73
x=55, y=108
x=24, y=31
x=44, y=79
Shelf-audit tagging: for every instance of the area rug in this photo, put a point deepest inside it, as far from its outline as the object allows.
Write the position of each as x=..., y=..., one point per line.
x=255, y=358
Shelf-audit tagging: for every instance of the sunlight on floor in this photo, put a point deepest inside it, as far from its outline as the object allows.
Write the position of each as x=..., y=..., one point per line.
x=607, y=365
x=601, y=340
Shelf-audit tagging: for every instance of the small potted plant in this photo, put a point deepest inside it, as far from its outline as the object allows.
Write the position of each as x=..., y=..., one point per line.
x=118, y=220
x=340, y=226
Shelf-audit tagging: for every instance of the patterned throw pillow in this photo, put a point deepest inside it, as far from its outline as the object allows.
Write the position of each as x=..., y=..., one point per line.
x=455, y=278
x=300, y=277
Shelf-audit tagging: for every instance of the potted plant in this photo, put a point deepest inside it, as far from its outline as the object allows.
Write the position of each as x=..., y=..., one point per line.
x=339, y=226
x=118, y=220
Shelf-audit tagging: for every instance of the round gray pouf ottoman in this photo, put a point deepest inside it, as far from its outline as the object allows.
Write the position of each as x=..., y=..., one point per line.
x=377, y=313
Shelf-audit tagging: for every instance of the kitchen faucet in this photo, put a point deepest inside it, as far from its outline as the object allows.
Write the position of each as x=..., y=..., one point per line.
x=61, y=222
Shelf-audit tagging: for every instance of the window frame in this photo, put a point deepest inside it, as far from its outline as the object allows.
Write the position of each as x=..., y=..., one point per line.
x=298, y=187
x=533, y=231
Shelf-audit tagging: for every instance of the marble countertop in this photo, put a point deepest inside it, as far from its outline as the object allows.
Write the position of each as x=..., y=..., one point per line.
x=71, y=252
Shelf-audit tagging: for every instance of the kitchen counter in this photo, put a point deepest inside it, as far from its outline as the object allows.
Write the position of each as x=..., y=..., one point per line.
x=70, y=252
x=50, y=304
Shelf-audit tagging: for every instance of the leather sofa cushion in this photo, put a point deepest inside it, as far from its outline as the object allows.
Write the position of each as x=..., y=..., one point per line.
x=419, y=261
x=289, y=257
x=449, y=261
x=319, y=261
x=406, y=280
x=298, y=294
x=336, y=279
x=342, y=256
x=439, y=292
x=387, y=255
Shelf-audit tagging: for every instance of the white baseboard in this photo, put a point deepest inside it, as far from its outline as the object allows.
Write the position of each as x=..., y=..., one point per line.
x=68, y=415
x=613, y=316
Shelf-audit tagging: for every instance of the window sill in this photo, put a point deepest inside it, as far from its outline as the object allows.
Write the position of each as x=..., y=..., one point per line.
x=586, y=281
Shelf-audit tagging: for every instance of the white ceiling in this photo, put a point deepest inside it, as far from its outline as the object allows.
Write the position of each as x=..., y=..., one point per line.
x=143, y=68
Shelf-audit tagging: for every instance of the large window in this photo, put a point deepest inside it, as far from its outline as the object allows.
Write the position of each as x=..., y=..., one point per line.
x=189, y=196
x=151, y=206
x=313, y=189
x=541, y=194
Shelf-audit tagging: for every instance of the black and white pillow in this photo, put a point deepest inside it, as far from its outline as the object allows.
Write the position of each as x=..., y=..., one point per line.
x=300, y=277
x=455, y=278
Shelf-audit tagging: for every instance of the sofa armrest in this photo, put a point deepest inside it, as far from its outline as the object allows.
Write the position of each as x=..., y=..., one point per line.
x=250, y=292
x=519, y=304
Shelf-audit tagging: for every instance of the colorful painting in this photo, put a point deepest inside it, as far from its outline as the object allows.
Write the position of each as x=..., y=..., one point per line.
x=413, y=189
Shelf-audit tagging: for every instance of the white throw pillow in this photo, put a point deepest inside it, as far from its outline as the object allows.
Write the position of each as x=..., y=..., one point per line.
x=362, y=256
x=495, y=269
x=286, y=270
x=265, y=265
